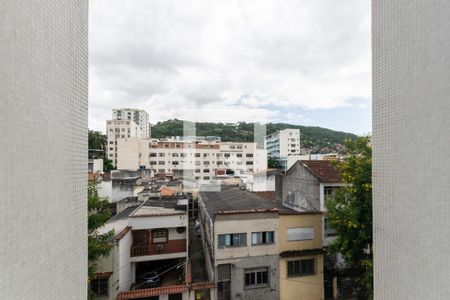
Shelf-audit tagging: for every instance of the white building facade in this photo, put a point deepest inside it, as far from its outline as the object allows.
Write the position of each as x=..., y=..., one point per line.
x=44, y=144
x=140, y=117
x=205, y=160
x=411, y=108
x=119, y=129
x=282, y=144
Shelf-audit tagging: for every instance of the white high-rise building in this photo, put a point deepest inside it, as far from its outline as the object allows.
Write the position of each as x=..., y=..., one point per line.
x=411, y=174
x=140, y=117
x=119, y=129
x=43, y=146
x=283, y=143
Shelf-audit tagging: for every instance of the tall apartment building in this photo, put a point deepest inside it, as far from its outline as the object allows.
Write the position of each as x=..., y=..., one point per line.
x=119, y=129
x=282, y=144
x=204, y=160
x=140, y=117
x=411, y=174
x=44, y=128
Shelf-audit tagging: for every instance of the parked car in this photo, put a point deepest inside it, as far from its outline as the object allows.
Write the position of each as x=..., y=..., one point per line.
x=151, y=280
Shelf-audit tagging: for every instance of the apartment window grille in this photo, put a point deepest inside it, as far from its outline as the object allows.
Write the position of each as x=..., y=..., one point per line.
x=232, y=240
x=262, y=238
x=302, y=267
x=224, y=272
x=256, y=277
x=100, y=287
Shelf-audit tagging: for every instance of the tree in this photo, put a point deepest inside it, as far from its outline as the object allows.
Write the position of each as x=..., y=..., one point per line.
x=98, y=244
x=350, y=213
x=273, y=163
x=97, y=140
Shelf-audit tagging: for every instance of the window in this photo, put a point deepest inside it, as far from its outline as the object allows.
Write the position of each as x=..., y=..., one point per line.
x=328, y=191
x=206, y=162
x=227, y=155
x=174, y=154
x=205, y=170
x=197, y=154
x=224, y=272
x=174, y=162
x=329, y=231
x=161, y=162
x=261, y=238
x=159, y=233
x=249, y=163
x=238, y=154
x=100, y=286
x=300, y=234
x=219, y=162
x=232, y=240
x=256, y=278
x=249, y=155
x=161, y=154
x=197, y=170
x=152, y=155
x=205, y=177
x=302, y=267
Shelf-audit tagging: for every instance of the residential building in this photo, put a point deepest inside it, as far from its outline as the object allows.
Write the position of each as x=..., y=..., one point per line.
x=239, y=232
x=95, y=160
x=306, y=186
x=119, y=129
x=282, y=144
x=262, y=181
x=140, y=117
x=201, y=160
x=255, y=247
x=44, y=134
x=411, y=59
x=292, y=159
x=301, y=256
x=151, y=241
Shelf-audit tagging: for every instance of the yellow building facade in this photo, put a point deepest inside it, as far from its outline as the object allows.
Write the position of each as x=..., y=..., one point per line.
x=301, y=256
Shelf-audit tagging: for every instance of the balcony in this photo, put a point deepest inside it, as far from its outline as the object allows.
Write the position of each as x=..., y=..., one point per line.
x=171, y=246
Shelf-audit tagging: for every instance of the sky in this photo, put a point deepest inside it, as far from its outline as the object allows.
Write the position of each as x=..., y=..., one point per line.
x=304, y=62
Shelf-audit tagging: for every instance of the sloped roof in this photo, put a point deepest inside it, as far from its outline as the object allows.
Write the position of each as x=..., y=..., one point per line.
x=323, y=169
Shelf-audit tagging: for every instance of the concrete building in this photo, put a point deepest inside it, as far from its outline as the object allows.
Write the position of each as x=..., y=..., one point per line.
x=262, y=181
x=411, y=174
x=306, y=186
x=282, y=144
x=119, y=129
x=301, y=256
x=292, y=159
x=95, y=161
x=44, y=128
x=140, y=117
x=203, y=160
x=151, y=240
x=273, y=253
x=243, y=260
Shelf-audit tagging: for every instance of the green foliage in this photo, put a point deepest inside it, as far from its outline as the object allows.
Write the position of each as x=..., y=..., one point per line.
x=350, y=213
x=317, y=139
x=273, y=163
x=98, y=244
x=97, y=140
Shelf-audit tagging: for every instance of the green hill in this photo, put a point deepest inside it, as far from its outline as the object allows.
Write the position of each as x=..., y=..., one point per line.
x=314, y=139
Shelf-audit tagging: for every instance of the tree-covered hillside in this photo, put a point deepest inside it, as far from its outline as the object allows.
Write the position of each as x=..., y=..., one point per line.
x=315, y=139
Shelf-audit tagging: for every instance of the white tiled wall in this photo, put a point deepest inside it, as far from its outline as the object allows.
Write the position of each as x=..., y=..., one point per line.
x=411, y=142
x=43, y=149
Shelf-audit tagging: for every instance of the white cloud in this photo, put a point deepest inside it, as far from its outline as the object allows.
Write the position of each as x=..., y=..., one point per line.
x=166, y=55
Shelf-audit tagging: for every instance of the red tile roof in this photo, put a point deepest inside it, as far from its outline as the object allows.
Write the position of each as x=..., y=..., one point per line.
x=323, y=169
x=102, y=275
x=165, y=290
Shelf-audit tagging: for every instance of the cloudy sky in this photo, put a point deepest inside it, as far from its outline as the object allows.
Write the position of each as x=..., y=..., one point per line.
x=297, y=61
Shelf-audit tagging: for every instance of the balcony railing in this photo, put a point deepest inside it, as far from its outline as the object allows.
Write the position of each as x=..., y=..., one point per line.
x=171, y=246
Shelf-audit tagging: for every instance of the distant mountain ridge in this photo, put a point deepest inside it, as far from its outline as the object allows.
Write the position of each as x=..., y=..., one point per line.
x=313, y=139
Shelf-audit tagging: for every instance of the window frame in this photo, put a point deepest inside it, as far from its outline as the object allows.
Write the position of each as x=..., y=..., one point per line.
x=253, y=274
x=298, y=263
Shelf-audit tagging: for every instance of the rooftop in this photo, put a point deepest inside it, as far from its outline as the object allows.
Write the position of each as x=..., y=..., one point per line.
x=231, y=200
x=164, y=207
x=323, y=169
